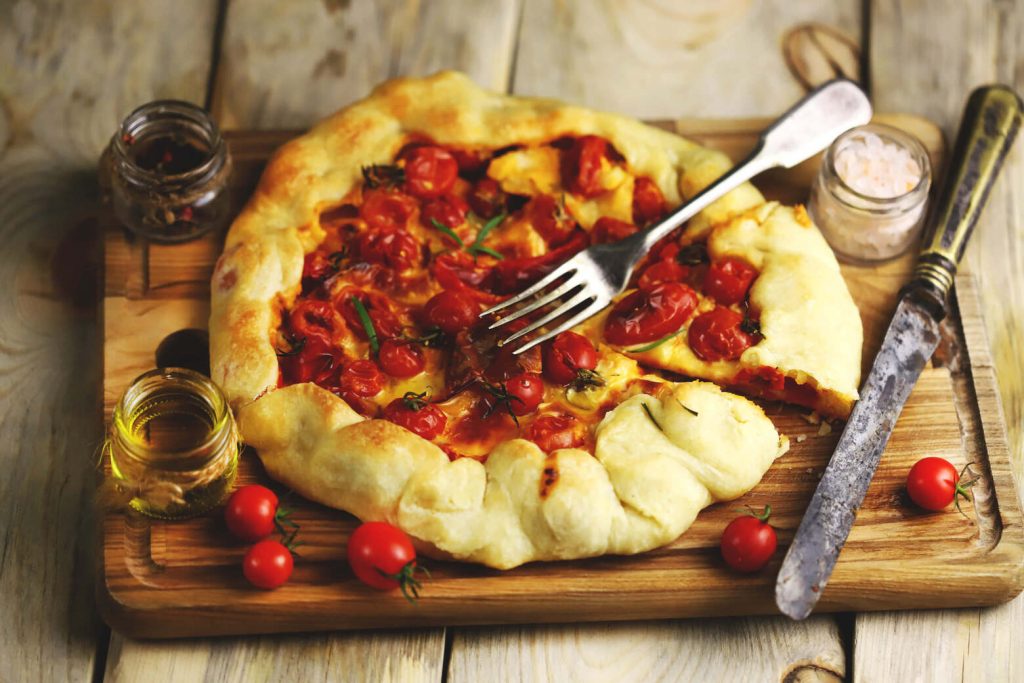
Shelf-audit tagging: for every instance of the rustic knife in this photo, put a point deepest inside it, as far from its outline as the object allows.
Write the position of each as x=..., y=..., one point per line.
x=990, y=123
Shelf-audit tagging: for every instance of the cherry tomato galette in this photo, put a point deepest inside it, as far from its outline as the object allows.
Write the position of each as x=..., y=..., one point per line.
x=346, y=326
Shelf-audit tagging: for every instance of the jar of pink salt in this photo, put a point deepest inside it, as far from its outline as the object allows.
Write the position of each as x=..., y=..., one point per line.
x=870, y=194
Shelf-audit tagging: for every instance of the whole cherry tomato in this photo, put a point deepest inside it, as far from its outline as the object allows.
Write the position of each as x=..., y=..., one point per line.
x=250, y=512
x=396, y=249
x=717, y=335
x=566, y=355
x=555, y=431
x=384, y=321
x=645, y=316
x=386, y=211
x=309, y=365
x=525, y=393
x=458, y=270
x=648, y=202
x=360, y=378
x=550, y=219
x=662, y=271
x=610, y=230
x=448, y=210
x=430, y=172
x=487, y=199
x=268, y=564
x=933, y=483
x=400, y=359
x=451, y=310
x=584, y=165
x=415, y=414
x=515, y=274
x=749, y=541
x=312, y=320
x=382, y=557
x=728, y=280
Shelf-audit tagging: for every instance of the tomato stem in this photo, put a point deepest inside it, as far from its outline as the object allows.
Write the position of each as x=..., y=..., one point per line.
x=764, y=515
x=407, y=581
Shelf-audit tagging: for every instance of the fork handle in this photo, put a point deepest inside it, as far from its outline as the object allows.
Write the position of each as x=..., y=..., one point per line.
x=807, y=128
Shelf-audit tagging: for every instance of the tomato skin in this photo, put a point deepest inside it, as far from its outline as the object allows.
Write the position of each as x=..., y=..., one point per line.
x=566, y=355
x=547, y=218
x=932, y=483
x=449, y=210
x=452, y=311
x=516, y=274
x=526, y=392
x=716, y=335
x=384, y=321
x=386, y=211
x=645, y=316
x=313, y=321
x=728, y=280
x=552, y=432
x=648, y=202
x=584, y=165
x=250, y=511
x=400, y=359
x=396, y=249
x=611, y=230
x=430, y=172
x=360, y=379
x=427, y=421
x=487, y=199
x=662, y=271
x=268, y=564
x=748, y=543
x=376, y=551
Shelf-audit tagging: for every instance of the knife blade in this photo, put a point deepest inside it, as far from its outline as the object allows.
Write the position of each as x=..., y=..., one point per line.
x=990, y=122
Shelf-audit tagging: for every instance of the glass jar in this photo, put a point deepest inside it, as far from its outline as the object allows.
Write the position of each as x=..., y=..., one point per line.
x=166, y=170
x=173, y=445
x=862, y=228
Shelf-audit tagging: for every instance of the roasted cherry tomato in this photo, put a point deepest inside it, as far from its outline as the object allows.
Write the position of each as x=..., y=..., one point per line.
x=250, y=512
x=309, y=365
x=728, y=280
x=268, y=564
x=648, y=202
x=550, y=219
x=386, y=210
x=525, y=393
x=566, y=355
x=487, y=199
x=448, y=210
x=645, y=316
x=382, y=557
x=384, y=321
x=471, y=161
x=515, y=274
x=312, y=320
x=317, y=267
x=552, y=432
x=933, y=483
x=430, y=172
x=584, y=165
x=662, y=271
x=400, y=359
x=610, y=230
x=451, y=310
x=749, y=541
x=415, y=414
x=360, y=378
x=396, y=249
x=717, y=335
x=458, y=270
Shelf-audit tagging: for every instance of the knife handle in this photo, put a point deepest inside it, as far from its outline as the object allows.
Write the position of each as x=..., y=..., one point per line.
x=989, y=124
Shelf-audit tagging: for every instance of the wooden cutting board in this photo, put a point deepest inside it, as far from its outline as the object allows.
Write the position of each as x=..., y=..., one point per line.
x=164, y=579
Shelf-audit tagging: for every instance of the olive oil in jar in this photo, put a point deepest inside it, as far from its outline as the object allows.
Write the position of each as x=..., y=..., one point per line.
x=173, y=444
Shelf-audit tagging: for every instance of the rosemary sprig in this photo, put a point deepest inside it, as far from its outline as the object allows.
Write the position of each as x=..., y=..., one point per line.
x=447, y=231
x=650, y=415
x=479, y=248
x=478, y=243
x=364, y=318
x=501, y=398
x=586, y=379
x=387, y=175
x=691, y=411
x=655, y=344
x=751, y=326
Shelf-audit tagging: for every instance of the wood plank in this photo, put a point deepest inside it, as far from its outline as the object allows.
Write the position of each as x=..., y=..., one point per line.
x=71, y=72
x=914, y=68
x=658, y=59
x=288, y=64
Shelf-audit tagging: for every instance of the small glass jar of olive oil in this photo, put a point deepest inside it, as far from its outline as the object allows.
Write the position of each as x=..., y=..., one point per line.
x=173, y=444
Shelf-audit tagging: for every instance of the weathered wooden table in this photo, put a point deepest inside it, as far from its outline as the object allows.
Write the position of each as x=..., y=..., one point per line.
x=70, y=71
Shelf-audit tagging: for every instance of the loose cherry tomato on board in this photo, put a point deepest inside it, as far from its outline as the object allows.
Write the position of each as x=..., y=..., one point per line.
x=250, y=512
x=525, y=393
x=718, y=335
x=728, y=280
x=430, y=172
x=386, y=211
x=452, y=311
x=487, y=199
x=645, y=316
x=382, y=557
x=361, y=378
x=749, y=541
x=584, y=165
x=933, y=483
x=414, y=413
x=552, y=432
x=268, y=564
x=648, y=202
x=566, y=355
x=400, y=359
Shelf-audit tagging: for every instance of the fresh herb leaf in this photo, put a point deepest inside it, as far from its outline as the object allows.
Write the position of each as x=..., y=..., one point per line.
x=751, y=326
x=501, y=398
x=383, y=175
x=432, y=338
x=650, y=415
x=447, y=231
x=655, y=344
x=693, y=255
x=586, y=379
x=364, y=318
x=691, y=411
x=487, y=227
x=479, y=248
x=414, y=401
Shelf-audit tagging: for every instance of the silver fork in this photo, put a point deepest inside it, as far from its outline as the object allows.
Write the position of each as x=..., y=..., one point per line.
x=593, y=277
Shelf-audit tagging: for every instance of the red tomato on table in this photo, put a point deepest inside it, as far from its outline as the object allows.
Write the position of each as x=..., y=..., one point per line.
x=749, y=541
x=382, y=557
